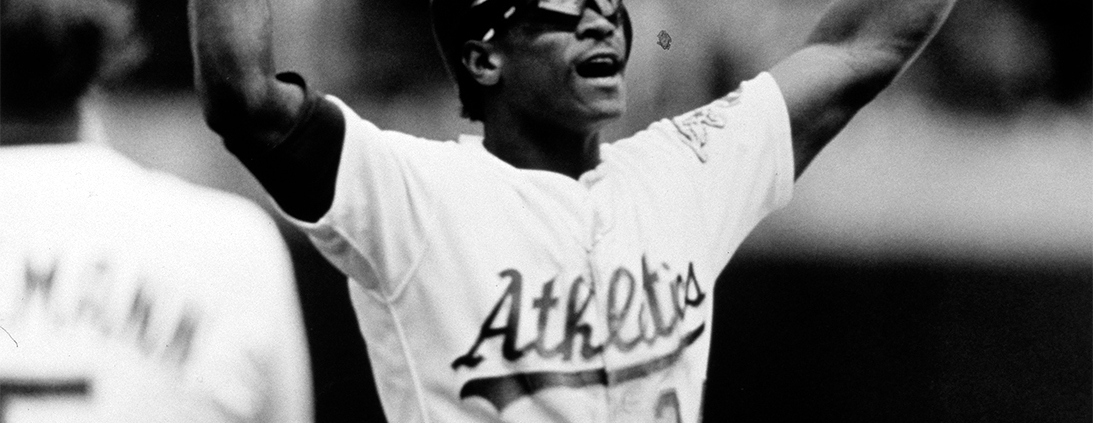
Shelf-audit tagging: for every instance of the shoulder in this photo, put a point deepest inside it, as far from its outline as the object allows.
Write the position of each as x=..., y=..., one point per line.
x=173, y=202
x=172, y=219
x=745, y=117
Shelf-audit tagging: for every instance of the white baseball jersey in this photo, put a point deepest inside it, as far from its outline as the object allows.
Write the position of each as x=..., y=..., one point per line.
x=130, y=296
x=491, y=293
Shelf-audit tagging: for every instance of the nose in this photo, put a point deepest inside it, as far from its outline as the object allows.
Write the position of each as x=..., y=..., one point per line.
x=595, y=25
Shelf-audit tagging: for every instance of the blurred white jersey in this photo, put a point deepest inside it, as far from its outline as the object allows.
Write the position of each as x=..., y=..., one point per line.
x=489, y=293
x=131, y=296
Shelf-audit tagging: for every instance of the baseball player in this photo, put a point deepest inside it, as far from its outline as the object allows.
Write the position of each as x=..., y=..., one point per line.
x=126, y=295
x=537, y=274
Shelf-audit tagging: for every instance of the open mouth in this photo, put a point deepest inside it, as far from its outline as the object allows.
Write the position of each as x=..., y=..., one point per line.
x=599, y=66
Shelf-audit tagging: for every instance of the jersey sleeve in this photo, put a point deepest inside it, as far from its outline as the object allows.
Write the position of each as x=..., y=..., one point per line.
x=278, y=351
x=298, y=171
x=375, y=229
x=249, y=350
x=734, y=156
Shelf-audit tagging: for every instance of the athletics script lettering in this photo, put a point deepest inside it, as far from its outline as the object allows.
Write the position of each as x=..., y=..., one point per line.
x=629, y=301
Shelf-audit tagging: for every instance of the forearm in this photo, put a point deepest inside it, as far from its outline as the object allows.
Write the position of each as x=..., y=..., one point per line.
x=234, y=72
x=857, y=49
x=291, y=143
x=880, y=36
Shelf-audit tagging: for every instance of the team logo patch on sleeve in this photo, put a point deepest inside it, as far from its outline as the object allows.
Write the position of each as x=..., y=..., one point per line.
x=695, y=126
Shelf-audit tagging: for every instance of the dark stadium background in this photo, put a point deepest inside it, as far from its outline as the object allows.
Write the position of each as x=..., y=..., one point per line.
x=936, y=264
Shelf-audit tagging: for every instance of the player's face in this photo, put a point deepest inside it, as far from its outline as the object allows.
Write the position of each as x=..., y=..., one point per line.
x=566, y=69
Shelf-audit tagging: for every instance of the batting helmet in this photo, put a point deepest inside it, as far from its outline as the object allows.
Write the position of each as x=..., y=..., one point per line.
x=457, y=21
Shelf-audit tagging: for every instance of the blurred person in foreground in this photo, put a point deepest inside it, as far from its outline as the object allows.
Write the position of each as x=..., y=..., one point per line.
x=537, y=273
x=126, y=295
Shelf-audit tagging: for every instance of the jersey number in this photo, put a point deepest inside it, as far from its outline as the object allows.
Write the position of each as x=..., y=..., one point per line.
x=11, y=389
x=667, y=409
x=668, y=406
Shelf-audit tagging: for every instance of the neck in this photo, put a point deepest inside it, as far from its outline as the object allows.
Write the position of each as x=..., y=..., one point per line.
x=542, y=146
x=61, y=127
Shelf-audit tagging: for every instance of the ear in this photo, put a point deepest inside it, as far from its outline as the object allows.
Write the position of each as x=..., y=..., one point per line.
x=483, y=61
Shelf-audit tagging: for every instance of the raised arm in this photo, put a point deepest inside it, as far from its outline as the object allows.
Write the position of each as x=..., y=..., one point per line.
x=267, y=121
x=857, y=49
x=234, y=74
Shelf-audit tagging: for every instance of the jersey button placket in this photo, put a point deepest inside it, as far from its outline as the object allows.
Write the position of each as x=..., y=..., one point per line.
x=599, y=257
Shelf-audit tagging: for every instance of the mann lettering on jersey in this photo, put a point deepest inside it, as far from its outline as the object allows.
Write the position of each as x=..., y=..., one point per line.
x=89, y=331
x=93, y=288
x=123, y=297
x=641, y=309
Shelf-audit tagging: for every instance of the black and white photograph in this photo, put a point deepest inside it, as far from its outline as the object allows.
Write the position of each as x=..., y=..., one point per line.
x=546, y=211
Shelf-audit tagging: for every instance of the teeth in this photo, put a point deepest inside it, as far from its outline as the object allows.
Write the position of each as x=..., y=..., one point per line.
x=599, y=66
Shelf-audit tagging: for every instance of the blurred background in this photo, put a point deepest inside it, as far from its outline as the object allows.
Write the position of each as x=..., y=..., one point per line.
x=936, y=263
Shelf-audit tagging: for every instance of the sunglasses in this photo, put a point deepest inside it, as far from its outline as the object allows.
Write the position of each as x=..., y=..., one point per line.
x=576, y=7
x=567, y=8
